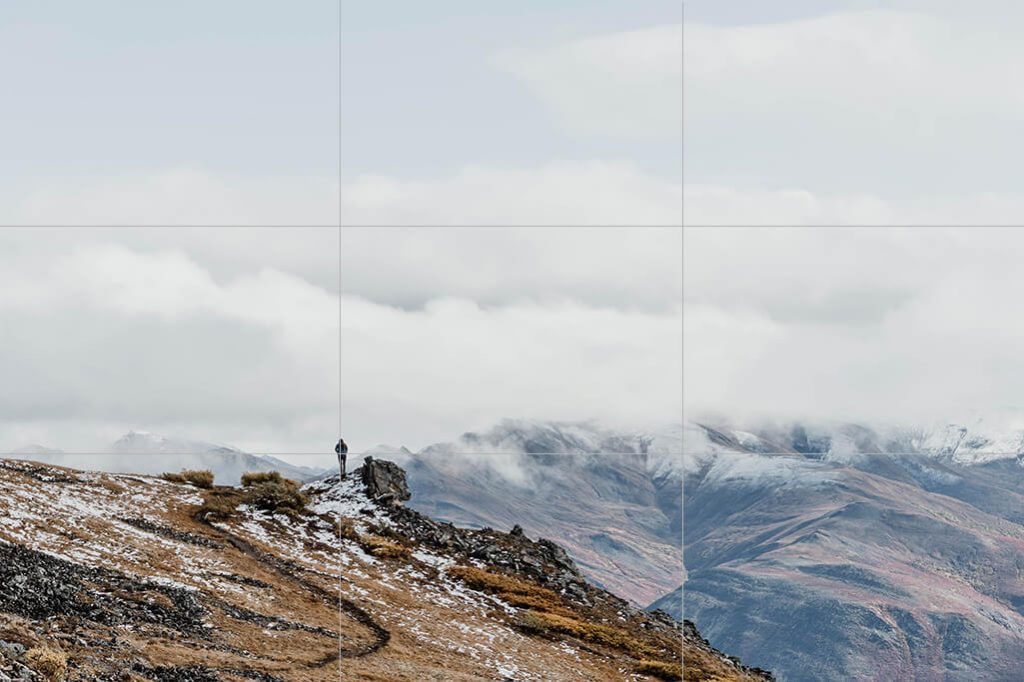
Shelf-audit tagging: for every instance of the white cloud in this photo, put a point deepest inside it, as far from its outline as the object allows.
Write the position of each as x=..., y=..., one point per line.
x=180, y=196
x=727, y=205
x=627, y=268
x=848, y=323
x=422, y=376
x=100, y=338
x=626, y=84
x=557, y=193
x=886, y=103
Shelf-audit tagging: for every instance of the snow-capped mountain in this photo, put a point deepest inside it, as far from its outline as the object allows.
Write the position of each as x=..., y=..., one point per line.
x=882, y=552
x=613, y=498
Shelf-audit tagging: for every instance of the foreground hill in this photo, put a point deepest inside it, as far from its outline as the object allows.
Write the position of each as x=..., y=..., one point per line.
x=122, y=577
x=854, y=553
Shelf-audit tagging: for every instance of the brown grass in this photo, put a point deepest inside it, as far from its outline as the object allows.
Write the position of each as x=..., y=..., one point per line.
x=384, y=549
x=271, y=492
x=347, y=530
x=516, y=592
x=549, y=624
x=660, y=669
x=53, y=665
x=251, y=478
x=198, y=478
x=217, y=508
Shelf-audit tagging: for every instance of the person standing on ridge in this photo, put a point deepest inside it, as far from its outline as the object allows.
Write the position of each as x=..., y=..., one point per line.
x=342, y=451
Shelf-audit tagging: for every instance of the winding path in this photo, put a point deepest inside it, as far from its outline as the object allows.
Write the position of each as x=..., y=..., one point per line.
x=290, y=571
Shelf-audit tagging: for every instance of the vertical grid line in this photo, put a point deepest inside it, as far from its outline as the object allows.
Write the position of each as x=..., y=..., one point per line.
x=682, y=318
x=338, y=521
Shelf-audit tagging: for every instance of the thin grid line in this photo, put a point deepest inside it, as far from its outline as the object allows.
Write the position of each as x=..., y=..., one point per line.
x=857, y=225
x=154, y=454
x=341, y=619
x=498, y=225
x=682, y=318
x=165, y=225
x=922, y=453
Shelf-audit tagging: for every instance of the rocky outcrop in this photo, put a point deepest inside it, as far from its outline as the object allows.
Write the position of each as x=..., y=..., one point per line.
x=693, y=640
x=385, y=481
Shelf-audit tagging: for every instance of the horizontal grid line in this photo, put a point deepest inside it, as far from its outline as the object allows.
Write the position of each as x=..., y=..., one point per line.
x=805, y=454
x=145, y=224
x=480, y=225
x=855, y=225
x=350, y=454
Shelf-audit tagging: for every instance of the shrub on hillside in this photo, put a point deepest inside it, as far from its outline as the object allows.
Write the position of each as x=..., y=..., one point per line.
x=515, y=592
x=660, y=669
x=53, y=665
x=347, y=530
x=200, y=479
x=217, y=509
x=275, y=494
x=383, y=549
x=548, y=624
x=254, y=477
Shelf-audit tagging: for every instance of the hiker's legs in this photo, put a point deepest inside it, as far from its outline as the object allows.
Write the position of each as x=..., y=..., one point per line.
x=341, y=460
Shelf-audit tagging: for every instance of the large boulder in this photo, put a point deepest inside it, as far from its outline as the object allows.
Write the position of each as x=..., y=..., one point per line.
x=385, y=481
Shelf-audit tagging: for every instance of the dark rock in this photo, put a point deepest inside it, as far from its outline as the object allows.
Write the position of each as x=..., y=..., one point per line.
x=385, y=481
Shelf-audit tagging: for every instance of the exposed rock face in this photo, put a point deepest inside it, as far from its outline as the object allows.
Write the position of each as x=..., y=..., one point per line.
x=385, y=481
x=693, y=640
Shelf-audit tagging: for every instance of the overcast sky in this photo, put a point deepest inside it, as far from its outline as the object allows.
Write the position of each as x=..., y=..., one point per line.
x=819, y=114
x=449, y=113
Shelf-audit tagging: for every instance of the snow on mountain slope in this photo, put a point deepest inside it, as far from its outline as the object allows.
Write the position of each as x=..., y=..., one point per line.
x=883, y=553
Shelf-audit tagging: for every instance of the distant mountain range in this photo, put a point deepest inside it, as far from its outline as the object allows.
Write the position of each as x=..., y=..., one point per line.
x=613, y=498
x=141, y=452
x=847, y=551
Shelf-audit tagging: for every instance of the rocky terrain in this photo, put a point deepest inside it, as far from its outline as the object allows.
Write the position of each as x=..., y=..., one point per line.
x=125, y=577
x=855, y=553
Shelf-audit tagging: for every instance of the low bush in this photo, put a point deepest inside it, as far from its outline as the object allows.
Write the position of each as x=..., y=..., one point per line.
x=347, y=530
x=53, y=665
x=200, y=479
x=660, y=669
x=279, y=495
x=252, y=478
x=173, y=478
x=383, y=549
x=217, y=509
x=550, y=623
x=515, y=592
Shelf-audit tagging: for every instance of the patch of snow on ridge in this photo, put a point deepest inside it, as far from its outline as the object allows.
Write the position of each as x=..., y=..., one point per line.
x=744, y=467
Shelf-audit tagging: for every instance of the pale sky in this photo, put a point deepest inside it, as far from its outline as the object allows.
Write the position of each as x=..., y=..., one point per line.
x=242, y=114
x=818, y=115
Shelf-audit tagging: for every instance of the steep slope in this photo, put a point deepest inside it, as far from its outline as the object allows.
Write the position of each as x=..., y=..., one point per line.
x=808, y=555
x=613, y=499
